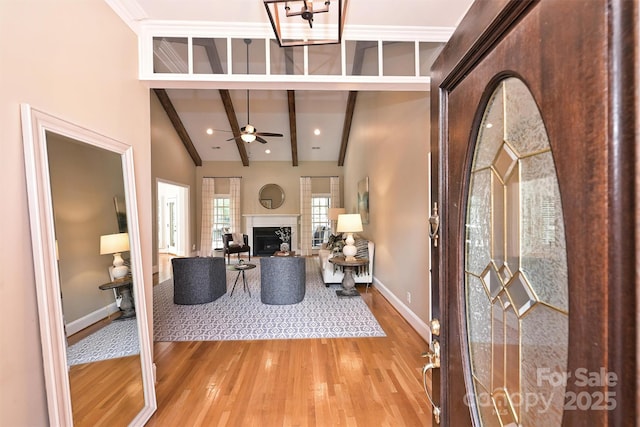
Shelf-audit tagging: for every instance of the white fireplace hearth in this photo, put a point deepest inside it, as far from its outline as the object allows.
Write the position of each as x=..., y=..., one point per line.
x=272, y=220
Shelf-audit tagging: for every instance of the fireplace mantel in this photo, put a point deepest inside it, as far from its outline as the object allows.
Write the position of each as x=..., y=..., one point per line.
x=273, y=220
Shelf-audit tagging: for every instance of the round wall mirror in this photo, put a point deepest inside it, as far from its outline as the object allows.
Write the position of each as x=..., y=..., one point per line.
x=271, y=196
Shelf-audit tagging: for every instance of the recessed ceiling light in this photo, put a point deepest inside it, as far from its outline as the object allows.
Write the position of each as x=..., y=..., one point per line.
x=316, y=132
x=267, y=151
x=489, y=125
x=209, y=131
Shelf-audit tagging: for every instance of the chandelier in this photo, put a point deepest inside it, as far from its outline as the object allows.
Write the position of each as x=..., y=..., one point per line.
x=306, y=22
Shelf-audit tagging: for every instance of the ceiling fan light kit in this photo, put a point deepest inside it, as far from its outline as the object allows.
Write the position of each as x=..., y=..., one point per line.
x=307, y=22
x=249, y=133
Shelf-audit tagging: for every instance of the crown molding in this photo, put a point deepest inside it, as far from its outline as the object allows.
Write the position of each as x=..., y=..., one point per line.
x=129, y=11
x=261, y=30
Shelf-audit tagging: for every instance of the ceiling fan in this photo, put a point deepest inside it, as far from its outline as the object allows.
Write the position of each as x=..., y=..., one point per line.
x=249, y=133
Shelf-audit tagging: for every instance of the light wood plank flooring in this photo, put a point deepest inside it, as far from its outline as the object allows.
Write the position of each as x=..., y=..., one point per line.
x=312, y=382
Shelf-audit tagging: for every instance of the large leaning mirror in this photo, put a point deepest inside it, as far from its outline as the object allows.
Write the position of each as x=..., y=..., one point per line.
x=87, y=261
x=271, y=196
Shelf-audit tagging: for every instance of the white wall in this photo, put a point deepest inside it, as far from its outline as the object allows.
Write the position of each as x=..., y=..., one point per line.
x=389, y=143
x=76, y=60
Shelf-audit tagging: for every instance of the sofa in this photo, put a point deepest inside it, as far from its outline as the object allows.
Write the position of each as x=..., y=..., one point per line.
x=333, y=274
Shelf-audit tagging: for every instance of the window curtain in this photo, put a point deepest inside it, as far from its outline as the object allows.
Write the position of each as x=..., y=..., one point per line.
x=206, y=230
x=234, y=206
x=305, y=216
x=334, y=185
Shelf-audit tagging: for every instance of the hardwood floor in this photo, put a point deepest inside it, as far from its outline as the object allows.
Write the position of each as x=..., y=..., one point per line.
x=312, y=382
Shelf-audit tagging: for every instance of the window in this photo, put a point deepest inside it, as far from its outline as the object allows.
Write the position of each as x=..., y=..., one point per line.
x=320, y=225
x=221, y=219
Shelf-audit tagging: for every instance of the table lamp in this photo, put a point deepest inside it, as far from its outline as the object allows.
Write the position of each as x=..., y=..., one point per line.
x=349, y=223
x=116, y=244
x=333, y=215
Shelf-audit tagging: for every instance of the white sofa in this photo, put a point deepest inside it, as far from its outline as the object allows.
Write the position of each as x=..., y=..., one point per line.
x=331, y=274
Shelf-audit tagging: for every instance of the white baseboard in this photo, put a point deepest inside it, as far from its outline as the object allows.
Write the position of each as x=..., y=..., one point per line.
x=91, y=318
x=416, y=323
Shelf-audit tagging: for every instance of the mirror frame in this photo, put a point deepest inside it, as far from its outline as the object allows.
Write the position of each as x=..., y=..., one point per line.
x=260, y=196
x=35, y=124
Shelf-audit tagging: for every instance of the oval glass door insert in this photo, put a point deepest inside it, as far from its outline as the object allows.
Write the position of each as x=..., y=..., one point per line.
x=516, y=287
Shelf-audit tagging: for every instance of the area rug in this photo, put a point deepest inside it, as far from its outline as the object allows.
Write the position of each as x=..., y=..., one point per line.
x=118, y=339
x=242, y=316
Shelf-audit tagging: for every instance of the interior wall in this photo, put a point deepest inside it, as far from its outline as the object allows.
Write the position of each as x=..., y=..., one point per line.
x=259, y=174
x=389, y=143
x=78, y=61
x=170, y=162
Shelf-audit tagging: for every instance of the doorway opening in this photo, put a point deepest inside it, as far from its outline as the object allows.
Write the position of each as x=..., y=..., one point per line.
x=173, y=224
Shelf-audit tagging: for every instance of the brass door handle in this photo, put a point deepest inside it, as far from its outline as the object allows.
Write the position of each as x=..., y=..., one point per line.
x=434, y=225
x=433, y=357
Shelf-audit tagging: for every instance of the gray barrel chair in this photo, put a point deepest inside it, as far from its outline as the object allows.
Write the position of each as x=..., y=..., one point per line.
x=198, y=280
x=282, y=280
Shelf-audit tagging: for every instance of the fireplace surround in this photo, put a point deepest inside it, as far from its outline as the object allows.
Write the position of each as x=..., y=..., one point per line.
x=253, y=222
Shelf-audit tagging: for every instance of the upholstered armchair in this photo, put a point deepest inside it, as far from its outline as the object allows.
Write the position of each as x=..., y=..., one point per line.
x=198, y=280
x=282, y=280
x=232, y=247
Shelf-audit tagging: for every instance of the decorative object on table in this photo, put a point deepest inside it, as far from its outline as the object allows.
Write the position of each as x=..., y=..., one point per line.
x=284, y=234
x=293, y=21
x=198, y=280
x=349, y=223
x=363, y=199
x=116, y=244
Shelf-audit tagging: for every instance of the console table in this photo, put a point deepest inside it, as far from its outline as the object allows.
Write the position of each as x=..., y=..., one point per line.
x=348, y=283
x=123, y=288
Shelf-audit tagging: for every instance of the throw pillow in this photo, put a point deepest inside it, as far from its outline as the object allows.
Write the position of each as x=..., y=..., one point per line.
x=238, y=239
x=362, y=246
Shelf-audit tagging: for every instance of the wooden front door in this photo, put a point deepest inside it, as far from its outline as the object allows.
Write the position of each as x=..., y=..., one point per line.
x=533, y=151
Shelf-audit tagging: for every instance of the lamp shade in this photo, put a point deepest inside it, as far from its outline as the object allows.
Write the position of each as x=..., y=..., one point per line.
x=114, y=243
x=349, y=223
x=334, y=212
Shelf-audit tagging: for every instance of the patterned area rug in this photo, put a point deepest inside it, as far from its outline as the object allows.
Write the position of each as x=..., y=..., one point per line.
x=118, y=339
x=244, y=317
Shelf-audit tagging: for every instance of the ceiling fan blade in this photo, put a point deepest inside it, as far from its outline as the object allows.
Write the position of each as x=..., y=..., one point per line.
x=261, y=140
x=232, y=139
x=269, y=134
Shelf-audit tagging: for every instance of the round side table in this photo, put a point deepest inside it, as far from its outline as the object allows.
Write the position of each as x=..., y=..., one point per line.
x=348, y=283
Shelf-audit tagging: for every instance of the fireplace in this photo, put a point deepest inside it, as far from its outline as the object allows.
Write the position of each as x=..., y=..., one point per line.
x=266, y=241
x=274, y=222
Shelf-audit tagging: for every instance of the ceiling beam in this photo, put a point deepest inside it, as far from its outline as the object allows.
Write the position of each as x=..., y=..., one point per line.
x=291, y=96
x=216, y=67
x=177, y=125
x=291, y=100
x=358, y=60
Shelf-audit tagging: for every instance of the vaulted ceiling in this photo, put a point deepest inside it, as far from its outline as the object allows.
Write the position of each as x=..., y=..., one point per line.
x=314, y=123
